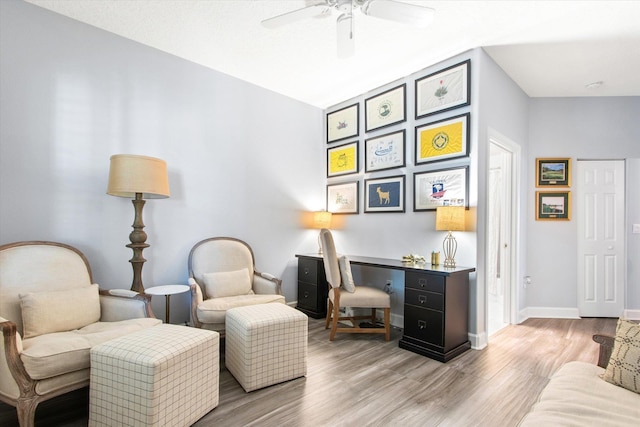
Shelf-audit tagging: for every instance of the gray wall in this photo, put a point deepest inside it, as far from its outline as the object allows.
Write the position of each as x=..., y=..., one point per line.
x=243, y=161
x=588, y=128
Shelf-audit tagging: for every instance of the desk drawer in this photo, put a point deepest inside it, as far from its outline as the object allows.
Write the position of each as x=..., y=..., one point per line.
x=424, y=282
x=308, y=270
x=424, y=299
x=424, y=324
x=308, y=296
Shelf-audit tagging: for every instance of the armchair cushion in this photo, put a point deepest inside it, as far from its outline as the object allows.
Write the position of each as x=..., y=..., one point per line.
x=214, y=310
x=59, y=311
x=49, y=355
x=227, y=283
x=363, y=297
x=345, y=273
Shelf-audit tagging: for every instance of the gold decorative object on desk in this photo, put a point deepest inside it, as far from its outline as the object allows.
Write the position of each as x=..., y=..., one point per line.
x=415, y=258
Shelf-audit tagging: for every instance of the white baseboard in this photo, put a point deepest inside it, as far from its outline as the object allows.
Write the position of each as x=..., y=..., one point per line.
x=631, y=314
x=548, y=313
x=478, y=341
x=293, y=304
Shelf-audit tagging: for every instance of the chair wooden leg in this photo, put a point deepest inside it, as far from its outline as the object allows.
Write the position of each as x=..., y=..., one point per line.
x=373, y=317
x=387, y=324
x=334, y=323
x=329, y=312
x=26, y=409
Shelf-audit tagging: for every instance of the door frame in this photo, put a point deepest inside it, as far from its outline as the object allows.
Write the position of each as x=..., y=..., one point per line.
x=504, y=143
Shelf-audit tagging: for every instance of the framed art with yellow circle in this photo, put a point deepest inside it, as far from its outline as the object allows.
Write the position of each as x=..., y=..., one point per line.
x=442, y=140
x=343, y=159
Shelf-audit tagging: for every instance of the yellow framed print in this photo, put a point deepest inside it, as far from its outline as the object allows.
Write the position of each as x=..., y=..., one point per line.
x=343, y=159
x=442, y=140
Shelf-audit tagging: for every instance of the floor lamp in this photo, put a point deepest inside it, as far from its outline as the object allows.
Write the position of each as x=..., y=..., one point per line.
x=138, y=177
x=450, y=218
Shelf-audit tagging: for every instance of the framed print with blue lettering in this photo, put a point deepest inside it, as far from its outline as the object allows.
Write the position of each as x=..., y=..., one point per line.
x=343, y=198
x=385, y=152
x=384, y=194
x=443, y=90
x=385, y=109
x=442, y=140
x=444, y=187
x=343, y=159
x=343, y=123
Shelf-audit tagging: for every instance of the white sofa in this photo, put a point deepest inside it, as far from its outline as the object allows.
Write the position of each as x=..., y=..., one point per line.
x=51, y=314
x=577, y=395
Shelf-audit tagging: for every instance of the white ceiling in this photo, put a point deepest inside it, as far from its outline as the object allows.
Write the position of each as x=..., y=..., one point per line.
x=550, y=48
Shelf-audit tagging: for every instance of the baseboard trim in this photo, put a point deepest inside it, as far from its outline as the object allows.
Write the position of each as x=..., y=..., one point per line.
x=550, y=313
x=478, y=341
x=631, y=314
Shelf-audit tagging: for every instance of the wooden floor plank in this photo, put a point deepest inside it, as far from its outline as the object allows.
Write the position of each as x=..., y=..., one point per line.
x=363, y=380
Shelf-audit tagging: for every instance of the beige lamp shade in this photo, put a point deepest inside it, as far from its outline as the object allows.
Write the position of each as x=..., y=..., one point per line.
x=450, y=218
x=321, y=219
x=130, y=174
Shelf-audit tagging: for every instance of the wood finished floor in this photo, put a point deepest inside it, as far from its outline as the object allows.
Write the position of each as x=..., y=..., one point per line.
x=360, y=380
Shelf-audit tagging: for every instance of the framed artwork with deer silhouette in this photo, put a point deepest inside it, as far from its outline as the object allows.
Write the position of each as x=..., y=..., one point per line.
x=343, y=124
x=444, y=90
x=384, y=194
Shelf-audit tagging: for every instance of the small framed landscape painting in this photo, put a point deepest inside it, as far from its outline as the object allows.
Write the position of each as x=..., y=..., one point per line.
x=553, y=205
x=343, y=198
x=553, y=172
x=343, y=123
x=384, y=194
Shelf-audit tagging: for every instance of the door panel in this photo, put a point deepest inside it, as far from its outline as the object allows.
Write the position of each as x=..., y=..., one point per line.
x=601, y=245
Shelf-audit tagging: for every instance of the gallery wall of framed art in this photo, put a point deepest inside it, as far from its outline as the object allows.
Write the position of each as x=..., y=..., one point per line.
x=405, y=143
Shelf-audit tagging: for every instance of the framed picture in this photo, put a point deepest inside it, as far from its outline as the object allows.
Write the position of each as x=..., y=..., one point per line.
x=384, y=194
x=553, y=205
x=343, y=123
x=444, y=90
x=343, y=198
x=444, y=187
x=385, y=152
x=553, y=172
x=442, y=140
x=343, y=159
x=385, y=109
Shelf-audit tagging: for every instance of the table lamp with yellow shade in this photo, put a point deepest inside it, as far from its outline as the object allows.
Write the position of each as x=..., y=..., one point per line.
x=450, y=218
x=321, y=219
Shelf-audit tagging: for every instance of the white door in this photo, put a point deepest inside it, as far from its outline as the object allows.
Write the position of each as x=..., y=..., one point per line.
x=601, y=245
x=502, y=196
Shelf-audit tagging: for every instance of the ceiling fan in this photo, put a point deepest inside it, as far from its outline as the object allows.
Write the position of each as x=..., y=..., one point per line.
x=392, y=10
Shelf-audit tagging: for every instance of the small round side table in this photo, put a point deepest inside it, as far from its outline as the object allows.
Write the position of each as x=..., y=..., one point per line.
x=167, y=291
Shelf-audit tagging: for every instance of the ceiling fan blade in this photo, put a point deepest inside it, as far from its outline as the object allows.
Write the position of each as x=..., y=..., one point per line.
x=405, y=13
x=346, y=44
x=312, y=11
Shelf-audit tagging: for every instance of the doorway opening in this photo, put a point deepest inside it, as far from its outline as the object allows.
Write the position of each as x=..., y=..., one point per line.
x=501, y=243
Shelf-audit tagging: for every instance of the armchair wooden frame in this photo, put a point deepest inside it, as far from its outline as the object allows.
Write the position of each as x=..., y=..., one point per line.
x=333, y=317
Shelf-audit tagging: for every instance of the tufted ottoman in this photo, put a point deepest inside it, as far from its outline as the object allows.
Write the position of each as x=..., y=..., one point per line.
x=265, y=344
x=166, y=375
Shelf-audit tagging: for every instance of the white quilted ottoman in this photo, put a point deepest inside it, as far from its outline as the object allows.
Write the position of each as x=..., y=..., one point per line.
x=167, y=375
x=265, y=344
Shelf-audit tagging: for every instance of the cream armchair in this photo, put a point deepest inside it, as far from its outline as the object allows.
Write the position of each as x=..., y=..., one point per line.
x=51, y=314
x=222, y=275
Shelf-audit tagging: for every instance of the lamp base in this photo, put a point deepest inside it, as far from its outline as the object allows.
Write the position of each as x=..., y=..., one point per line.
x=449, y=247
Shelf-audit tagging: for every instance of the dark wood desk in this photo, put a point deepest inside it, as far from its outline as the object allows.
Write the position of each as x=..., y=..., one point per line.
x=436, y=302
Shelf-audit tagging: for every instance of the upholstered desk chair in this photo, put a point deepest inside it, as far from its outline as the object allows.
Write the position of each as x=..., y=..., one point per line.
x=51, y=314
x=222, y=275
x=343, y=293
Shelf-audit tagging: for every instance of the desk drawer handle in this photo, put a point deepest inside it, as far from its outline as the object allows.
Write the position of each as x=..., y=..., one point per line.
x=422, y=282
x=306, y=271
x=422, y=324
x=306, y=294
x=422, y=299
